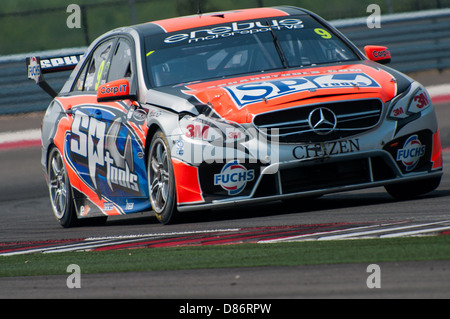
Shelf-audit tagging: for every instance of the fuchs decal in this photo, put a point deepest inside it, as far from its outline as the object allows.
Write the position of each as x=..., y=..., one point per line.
x=411, y=152
x=246, y=94
x=234, y=177
x=34, y=69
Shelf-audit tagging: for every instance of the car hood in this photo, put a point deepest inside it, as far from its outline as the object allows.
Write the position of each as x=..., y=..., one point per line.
x=241, y=98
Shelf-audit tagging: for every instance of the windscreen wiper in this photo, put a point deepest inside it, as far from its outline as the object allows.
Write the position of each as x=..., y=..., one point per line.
x=278, y=47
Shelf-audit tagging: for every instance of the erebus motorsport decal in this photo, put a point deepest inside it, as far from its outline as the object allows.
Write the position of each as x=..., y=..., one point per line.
x=411, y=152
x=234, y=177
x=102, y=153
x=234, y=29
x=245, y=94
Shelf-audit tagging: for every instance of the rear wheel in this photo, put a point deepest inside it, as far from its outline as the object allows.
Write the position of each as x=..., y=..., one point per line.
x=60, y=190
x=161, y=180
x=410, y=190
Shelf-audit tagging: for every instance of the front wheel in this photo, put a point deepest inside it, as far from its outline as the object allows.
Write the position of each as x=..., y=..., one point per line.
x=161, y=180
x=60, y=190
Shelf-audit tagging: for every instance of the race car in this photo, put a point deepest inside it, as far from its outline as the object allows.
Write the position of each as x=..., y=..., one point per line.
x=230, y=108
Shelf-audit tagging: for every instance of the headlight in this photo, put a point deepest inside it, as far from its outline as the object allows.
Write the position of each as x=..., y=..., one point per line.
x=216, y=131
x=409, y=103
x=421, y=100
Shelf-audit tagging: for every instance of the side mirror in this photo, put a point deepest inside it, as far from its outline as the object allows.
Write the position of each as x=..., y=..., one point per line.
x=114, y=91
x=378, y=53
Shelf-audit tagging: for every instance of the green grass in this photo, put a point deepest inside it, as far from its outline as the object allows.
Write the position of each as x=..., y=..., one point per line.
x=243, y=255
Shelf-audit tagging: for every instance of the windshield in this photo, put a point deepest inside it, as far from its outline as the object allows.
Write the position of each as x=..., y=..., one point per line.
x=241, y=47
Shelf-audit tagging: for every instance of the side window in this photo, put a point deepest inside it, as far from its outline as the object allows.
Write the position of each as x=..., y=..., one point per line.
x=97, y=70
x=121, y=63
x=80, y=82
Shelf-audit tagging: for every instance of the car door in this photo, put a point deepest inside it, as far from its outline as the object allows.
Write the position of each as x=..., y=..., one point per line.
x=107, y=141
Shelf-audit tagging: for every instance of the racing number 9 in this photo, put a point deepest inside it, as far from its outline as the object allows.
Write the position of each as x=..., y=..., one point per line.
x=323, y=33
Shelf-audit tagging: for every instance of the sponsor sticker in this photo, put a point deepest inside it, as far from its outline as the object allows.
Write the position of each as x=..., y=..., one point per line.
x=61, y=62
x=317, y=150
x=97, y=153
x=234, y=29
x=234, y=177
x=179, y=149
x=411, y=152
x=107, y=206
x=34, y=69
x=420, y=101
x=245, y=94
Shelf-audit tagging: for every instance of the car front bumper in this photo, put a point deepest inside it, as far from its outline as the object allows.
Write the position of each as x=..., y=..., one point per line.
x=388, y=154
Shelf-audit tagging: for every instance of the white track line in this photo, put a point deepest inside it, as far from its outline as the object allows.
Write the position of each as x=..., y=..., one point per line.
x=439, y=90
x=96, y=242
x=378, y=231
x=299, y=237
x=365, y=231
x=25, y=135
x=416, y=232
x=163, y=234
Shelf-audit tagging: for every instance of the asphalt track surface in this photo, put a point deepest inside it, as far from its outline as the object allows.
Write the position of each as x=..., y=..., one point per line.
x=26, y=217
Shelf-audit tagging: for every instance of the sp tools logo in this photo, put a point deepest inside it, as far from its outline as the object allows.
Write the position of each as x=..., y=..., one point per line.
x=411, y=152
x=249, y=93
x=102, y=155
x=234, y=177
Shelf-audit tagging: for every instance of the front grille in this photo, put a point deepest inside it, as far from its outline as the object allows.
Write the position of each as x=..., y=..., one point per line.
x=292, y=125
x=323, y=176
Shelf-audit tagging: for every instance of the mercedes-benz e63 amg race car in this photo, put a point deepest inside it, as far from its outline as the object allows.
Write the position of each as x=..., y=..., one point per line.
x=230, y=108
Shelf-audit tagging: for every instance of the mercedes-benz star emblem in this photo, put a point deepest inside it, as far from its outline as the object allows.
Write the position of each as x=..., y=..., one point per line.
x=322, y=121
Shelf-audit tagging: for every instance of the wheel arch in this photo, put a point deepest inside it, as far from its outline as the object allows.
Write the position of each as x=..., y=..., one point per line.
x=152, y=129
x=47, y=150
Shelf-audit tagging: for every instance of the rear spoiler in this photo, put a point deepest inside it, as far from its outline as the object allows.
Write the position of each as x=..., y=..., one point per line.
x=37, y=67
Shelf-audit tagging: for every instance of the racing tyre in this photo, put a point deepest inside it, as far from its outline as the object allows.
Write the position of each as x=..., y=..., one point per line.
x=412, y=189
x=161, y=180
x=60, y=190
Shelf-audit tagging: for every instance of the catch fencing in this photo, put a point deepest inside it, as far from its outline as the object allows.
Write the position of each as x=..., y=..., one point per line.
x=418, y=41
